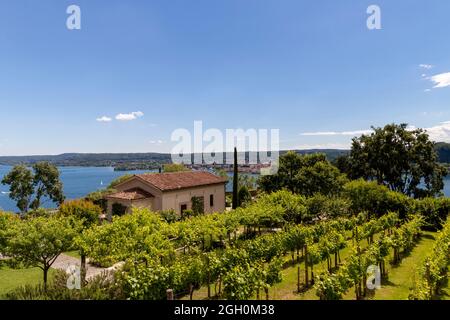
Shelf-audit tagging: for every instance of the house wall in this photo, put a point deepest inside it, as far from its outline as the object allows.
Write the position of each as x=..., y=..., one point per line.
x=174, y=199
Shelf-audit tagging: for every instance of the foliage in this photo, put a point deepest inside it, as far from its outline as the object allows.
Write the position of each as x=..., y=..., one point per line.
x=43, y=181
x=101, y=287
x=306, y=175
x=244, y=196
x=198, y=205
x=434, y=210
x=368, y=196
x=169, y=216
x=431, y=274
x=20, y=181
x=320, y=206
x=402, y=159
x=174, y=167
x=7, y=225
x=130, y=235
x=38, y=242
x=84, y=211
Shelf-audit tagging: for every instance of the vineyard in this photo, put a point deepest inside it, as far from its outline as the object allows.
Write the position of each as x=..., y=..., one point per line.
x=242, y=254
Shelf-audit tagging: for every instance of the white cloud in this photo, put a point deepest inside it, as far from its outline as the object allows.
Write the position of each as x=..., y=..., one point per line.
x=341, y=146
x=156, y=141
x=426, y=66
x=129, y=116
x=337, y=133
x=104, y=119
x=440, y=133
x=441, y=80
x=427, y=90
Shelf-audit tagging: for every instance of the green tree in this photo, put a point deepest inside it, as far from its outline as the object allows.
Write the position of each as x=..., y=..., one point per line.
x=39, y=242
x=42, y=181
x=20, y=181
x=404, y=160
x=87, y=215
x=307, y=175
x=47, y=183
x=244, y=196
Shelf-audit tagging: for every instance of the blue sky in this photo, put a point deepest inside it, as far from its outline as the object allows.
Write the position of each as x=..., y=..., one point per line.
x=310, y=68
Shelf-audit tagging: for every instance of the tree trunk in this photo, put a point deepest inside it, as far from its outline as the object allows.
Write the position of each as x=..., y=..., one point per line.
x=306, y=266
x=45, y=277
x=267, y=293
x=191, y=291
x=83, y=270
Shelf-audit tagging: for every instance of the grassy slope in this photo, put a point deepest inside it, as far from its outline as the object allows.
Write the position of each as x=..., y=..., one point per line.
x=13, y=278
x=401, y=278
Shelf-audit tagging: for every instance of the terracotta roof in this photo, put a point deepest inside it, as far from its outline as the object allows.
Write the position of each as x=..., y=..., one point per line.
x=181, y=180
x=132, y=194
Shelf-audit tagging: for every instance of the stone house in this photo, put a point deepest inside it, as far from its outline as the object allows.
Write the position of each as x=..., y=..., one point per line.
x=165, y=191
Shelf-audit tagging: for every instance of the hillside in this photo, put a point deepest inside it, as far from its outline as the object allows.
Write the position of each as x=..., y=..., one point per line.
x=153, y=160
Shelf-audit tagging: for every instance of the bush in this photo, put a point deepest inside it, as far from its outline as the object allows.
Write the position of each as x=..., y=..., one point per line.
x=83, y=210
x=320, y=206
x=101, y=287
x=375, y=199
x=244, y=196
x=169, y=216
x=434, y=211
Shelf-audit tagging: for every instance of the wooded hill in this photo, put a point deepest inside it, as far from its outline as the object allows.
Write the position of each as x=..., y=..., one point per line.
x=150, y=160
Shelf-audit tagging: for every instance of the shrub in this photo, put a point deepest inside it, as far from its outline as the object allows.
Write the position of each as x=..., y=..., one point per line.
x=376, y=199
x=169, y=216
x=320, y=206
x=101, y=287
x=434, y=211
x=85, y=211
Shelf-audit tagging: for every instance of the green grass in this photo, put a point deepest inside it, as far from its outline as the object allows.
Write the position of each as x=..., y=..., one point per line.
x=401, y=278
x=13, y=278
x=397, y=286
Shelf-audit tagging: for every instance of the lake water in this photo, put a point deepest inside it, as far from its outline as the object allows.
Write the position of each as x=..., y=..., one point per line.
x=79, y=181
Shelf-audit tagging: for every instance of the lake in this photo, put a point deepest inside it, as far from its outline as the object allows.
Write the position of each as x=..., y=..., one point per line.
x=79, y=181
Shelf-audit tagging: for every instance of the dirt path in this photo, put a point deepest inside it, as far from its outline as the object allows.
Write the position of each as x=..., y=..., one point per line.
x=63, y=262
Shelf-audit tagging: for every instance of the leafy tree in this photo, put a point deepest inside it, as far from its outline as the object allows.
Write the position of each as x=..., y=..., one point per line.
x=46, y=183
x=198, y=205
x=87, y=215
x=42, y=181
x=38, y=242
x=375, y=199
x=84, y=211
x=404, y=160
x=20, y=181
x=307, y=175
x=244, y=196
x=7, y=222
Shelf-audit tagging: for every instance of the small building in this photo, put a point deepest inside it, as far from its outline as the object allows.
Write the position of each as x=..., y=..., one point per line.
x=166, y=191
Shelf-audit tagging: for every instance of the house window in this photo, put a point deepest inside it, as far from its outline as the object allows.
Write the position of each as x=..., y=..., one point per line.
x=211, y=200
x=183, y=208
